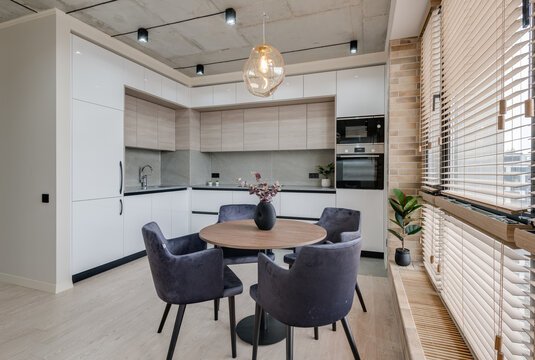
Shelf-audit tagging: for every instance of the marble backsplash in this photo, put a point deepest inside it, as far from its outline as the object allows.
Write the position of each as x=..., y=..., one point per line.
x=136, y=158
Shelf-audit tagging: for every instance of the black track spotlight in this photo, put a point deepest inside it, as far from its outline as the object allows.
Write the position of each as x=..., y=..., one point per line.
x=230, y=16
x=200, y=69
x=142, y=35
x=353, y=46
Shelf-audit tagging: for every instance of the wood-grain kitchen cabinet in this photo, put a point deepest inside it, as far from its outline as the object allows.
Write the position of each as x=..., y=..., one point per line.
x=130, y=121
x=261, y=129
x=293, y=127
x=166, y=129
x=320, y=125
x=211, y=131
x=147, y=124
x=232, y=130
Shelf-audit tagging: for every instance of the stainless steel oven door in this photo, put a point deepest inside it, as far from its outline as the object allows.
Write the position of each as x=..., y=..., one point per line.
x=363, y=171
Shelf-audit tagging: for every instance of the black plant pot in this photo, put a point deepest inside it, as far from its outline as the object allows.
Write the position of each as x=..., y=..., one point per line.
x=403, y=257
x=264, y=216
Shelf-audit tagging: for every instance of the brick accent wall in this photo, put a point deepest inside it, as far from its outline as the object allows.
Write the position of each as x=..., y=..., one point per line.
x=404, y=158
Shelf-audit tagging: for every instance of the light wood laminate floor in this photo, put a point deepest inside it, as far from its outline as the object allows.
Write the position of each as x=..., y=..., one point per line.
x=115, y=316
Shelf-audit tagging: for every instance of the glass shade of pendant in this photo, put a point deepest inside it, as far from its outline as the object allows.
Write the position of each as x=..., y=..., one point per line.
x=264, y=71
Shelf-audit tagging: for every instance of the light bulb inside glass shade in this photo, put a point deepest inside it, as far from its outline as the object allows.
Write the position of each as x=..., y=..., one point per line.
x=264, y=71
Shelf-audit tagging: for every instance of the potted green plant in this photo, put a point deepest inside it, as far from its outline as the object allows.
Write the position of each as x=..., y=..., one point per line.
x=326, y=172
x=404, y=207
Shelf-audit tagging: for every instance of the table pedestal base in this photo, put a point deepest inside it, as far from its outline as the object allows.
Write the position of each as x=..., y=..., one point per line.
x=274, y=332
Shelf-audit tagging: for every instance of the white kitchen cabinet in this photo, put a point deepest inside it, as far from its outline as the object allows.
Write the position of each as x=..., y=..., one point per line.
x=97, y=151
x=210, y=200
x=224, y=94
x=180, y=213
x=162, y=212
x=182, y=95
x=153, y=83
x=370, y=203
x=320, y=84
x=243, y=197
x=137, y=212
x=202, y=96
x=199, y=221
x=168, y=89
x=360, y=92
x=243, y=95
x=305, y=205
x=291, y=88
x=134, y=75
x=97, y=233
x=97, y=74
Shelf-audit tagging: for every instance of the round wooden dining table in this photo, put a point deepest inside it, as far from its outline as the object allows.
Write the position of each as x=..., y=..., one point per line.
x=244, y=234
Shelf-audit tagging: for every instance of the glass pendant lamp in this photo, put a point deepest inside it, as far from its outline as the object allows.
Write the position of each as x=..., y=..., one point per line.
x=264, y=71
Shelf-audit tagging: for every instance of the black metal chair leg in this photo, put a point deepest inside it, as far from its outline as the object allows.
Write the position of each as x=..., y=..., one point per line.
x=232, y=315
x=316, y=333
x=176, y=330
x=357, y=289
x=350, y=338
x=256, y=334
x=289, y=342
x=334, y=326
x=164, y=317
x=216, y=309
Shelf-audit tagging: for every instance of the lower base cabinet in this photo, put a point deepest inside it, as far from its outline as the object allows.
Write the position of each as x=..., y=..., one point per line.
x=137, y=212
x=199, y=221
x=97, y=233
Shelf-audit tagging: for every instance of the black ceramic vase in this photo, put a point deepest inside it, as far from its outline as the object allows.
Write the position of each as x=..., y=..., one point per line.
x=403, y=257
x=264, y=215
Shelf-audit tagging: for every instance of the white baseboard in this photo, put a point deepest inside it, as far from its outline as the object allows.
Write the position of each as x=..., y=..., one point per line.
x=29, y=283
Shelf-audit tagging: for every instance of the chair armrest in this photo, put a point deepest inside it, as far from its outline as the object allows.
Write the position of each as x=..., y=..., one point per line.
x=273, y=282
x=349, y=235
x=186, y=244
x=191, y=278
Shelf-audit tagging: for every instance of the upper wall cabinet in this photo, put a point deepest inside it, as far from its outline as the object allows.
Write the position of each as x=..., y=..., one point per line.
x=168, y=89
x=232, y=130
x=166, y=129
x=320, y=125
x=360, y=92
x=97, y=75
x=134, y=75
x=183, y=95
x=293, y=127
x=224, y=94
x=291, y=88
x=202, y=96
x=244, y=96
x=211, y=131
x=320, y=84
x=261, y=129
x=153, y=83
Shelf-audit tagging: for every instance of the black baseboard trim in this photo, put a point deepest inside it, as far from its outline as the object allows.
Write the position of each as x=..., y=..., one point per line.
x=105, y=267
x=297, y=218
x=372, y=254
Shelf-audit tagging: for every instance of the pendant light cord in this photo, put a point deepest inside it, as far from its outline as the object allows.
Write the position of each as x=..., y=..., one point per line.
x=264, y=16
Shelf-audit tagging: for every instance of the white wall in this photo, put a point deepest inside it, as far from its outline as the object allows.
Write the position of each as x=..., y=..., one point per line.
x=28, y=152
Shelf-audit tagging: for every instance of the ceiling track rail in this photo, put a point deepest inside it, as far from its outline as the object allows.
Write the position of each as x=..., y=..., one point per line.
x=24, y=6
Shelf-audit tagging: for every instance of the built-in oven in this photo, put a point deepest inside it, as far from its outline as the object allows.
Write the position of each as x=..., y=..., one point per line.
x=360, y=166
x=362, y=130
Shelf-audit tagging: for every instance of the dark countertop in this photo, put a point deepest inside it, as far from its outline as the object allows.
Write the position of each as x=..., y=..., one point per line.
x=137, y=190
x=285, y=188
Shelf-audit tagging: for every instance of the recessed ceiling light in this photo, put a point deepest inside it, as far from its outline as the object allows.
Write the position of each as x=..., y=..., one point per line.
x=230, y=16
x=353, y=46
x=200, y=69
x=142, y=35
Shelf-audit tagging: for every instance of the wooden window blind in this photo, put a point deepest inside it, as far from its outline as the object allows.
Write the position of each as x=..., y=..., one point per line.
x=486, y=287
x=432, y=242
x=430, y=102
x=485, y=72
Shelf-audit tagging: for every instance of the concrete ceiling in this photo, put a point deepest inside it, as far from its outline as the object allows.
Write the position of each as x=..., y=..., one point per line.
x=292, y=25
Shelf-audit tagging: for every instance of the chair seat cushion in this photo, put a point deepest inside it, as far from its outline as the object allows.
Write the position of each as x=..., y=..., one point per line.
x=233, y=284
x=290, y=258
x=242, y=256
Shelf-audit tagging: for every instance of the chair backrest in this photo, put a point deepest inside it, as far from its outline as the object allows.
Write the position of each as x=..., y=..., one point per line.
x=186, y=278
x=320, y=287
x=339, y=220
x=236, y=212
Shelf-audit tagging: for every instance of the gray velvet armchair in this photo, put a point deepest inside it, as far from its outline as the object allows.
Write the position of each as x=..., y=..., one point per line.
x=316, y=291
x=185, y=272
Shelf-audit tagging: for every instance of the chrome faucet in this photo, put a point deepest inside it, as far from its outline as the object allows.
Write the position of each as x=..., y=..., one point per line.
x=143, y=176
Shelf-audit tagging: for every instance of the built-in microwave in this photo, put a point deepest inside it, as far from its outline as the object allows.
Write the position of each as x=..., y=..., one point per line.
x=360, y=166
x=366, y=130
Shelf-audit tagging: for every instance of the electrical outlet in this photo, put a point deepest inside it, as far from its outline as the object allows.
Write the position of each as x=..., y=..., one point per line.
x=215, y=175
x=313, y=175
x=45, y=198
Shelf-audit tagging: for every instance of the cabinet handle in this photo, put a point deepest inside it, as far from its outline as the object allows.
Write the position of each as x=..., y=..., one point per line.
x=121, y=202
x=121, y=183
